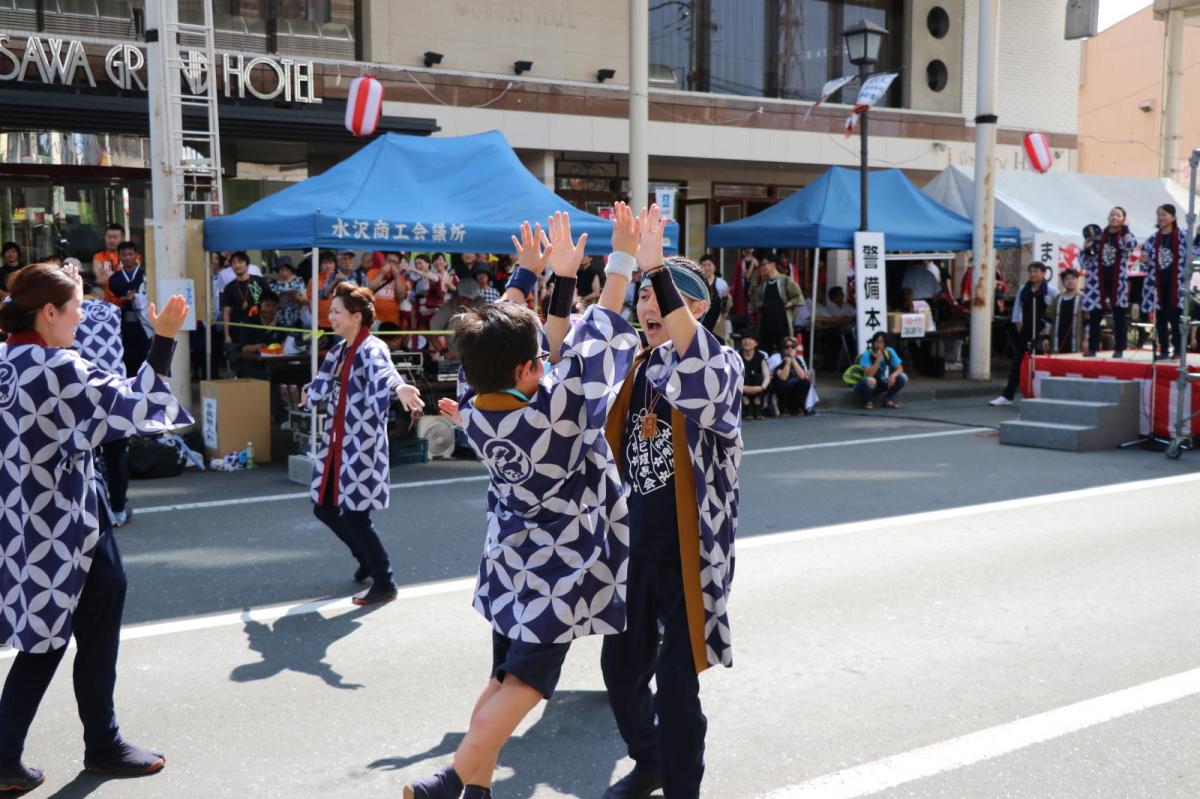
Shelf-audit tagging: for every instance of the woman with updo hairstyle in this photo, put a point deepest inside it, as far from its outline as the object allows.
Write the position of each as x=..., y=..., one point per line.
x=56, y=408
x=356, y=385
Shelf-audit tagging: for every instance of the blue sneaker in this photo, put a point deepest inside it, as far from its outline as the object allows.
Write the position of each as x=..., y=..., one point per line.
x=120, y=518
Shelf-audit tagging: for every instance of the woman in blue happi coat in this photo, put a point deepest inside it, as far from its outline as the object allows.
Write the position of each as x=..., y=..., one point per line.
x=60, y=569
x=356, y=384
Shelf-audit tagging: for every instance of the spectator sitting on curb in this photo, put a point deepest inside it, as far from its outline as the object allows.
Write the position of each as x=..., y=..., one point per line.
x=791, y=379
x=882, y=373
x=758, y=377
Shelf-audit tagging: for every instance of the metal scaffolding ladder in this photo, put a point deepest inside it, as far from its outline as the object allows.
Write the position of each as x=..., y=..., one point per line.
x=195, y=136
x=1183, y=408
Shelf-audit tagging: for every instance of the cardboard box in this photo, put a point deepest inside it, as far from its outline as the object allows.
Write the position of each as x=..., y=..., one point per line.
x=234, y=413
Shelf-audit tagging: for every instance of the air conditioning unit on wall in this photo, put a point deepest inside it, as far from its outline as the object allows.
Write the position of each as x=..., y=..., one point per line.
x=1083, y=19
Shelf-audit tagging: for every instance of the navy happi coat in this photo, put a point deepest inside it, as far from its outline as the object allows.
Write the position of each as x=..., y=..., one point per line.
x=1106, y=269
x=362, y=475
x=557, y=546
x=55, y=408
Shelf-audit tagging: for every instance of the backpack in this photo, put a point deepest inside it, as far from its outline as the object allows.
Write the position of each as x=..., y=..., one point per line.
x=853, y=374
x=150, y=459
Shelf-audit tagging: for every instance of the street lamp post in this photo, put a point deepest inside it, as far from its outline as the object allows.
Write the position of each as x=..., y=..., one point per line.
x=863, y=41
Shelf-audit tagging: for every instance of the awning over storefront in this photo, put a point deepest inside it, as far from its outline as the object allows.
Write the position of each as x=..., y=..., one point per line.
x=825, y=215
x=1060, y=203
x=453, y=194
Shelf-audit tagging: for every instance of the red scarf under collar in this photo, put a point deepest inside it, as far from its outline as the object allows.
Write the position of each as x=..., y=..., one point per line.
x=28, y=337
x=1122, y=256
x=337, y=425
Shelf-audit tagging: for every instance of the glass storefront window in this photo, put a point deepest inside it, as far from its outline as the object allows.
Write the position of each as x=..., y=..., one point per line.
x=765, y=48
x=43, y=215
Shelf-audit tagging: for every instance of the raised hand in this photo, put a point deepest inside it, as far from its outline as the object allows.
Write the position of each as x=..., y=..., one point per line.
x=625, y=229
x=565, y=256
x=168, y=323
x=651, y=227
x=533, y=249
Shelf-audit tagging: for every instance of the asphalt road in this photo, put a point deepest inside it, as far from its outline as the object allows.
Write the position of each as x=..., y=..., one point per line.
x=918, y=612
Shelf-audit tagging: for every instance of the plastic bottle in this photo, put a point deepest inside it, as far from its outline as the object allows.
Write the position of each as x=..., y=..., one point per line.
x=250, y=455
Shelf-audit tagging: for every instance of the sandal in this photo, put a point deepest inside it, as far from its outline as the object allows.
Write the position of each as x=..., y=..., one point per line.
x=891, y=404
x=870, y=406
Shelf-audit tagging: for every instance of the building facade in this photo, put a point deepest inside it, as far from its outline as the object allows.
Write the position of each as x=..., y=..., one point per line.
x=1121, y=99
x=731, y=84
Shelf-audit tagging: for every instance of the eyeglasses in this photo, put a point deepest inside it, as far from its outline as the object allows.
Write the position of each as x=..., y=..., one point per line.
x=543, y=355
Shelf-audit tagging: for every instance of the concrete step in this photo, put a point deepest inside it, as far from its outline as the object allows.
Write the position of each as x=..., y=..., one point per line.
x=1105, y=415
x=1048, y=435
x=1117, y=392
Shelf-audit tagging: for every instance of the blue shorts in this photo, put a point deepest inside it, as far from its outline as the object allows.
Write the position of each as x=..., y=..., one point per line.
x=537, y=665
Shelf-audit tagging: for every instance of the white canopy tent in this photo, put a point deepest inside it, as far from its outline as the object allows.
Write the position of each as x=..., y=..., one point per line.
x=1060, y=203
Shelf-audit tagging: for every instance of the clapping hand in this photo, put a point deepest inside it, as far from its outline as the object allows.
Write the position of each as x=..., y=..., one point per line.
x=564, y=255
x=625, y=234
x=449, y=410
x=168, y=323
x=651, y=227
x=410, y=399
x=530, y=253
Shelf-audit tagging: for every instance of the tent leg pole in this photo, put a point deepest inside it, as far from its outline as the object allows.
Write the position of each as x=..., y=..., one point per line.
x=313, y=306
x=811, y=354
x=209, y=315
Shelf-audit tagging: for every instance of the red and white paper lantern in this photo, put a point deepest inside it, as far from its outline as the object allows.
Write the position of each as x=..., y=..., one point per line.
x=1037, y=150
x=364, y=105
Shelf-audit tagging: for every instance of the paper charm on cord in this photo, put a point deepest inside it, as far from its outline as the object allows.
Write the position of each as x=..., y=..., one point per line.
x=827, y=91
x=1037, y=149
x=364, y=104
x=870, y=93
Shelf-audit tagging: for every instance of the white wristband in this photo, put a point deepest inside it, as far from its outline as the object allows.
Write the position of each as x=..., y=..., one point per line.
x=621, y=263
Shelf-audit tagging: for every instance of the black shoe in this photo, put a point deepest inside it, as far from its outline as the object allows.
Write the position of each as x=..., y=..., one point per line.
x=361, y=574
x=125, y=760
x=1119, y=354
x=16, y=777
x=376, y=594
x=1089, y=355
x=637, y=784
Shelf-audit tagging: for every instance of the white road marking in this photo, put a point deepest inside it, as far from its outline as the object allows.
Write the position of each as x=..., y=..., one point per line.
x=223, y=503
x=271, y=613
x=885, y=522
x=929, y=761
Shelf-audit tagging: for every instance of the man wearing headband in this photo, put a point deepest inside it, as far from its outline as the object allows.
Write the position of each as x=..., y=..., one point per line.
x=679, y=407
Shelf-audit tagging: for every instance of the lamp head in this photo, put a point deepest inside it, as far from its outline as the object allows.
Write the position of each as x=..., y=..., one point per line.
x=522, y=66
x=432, y=59
x=863, y=40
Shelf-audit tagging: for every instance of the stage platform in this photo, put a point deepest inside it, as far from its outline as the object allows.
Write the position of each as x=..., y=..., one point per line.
x=1157, y=379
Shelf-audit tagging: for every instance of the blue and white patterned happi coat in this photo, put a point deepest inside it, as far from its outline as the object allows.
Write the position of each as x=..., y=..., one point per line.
x=363, y=477
x=705, y=385
x=1160, y=256
x=98, y=337
x=557, y=548
x=55, y=408
x=1110, y=253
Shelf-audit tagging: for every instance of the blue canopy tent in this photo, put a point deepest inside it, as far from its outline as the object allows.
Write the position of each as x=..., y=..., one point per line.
x=825, y=215
x=452, y=194
x=408, y=193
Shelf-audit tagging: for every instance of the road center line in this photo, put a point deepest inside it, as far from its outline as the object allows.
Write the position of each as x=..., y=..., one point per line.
x=271, y=613
x=224, y=503
x=976, y=747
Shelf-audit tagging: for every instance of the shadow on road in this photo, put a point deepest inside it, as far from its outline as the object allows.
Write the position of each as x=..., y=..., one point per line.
x=299, y=644
x=85, y=784
x=572, y=749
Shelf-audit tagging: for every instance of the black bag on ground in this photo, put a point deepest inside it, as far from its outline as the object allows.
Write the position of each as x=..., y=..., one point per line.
x=151, y=459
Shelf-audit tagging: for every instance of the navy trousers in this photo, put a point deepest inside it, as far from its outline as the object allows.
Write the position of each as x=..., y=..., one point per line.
x=355, y=530
x=97, y=628
x=116, y=472
x=675, y=744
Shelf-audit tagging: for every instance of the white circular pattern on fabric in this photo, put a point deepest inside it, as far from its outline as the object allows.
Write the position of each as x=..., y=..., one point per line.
x=8, y=385
x=507, y=461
